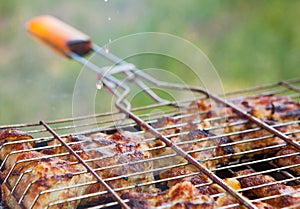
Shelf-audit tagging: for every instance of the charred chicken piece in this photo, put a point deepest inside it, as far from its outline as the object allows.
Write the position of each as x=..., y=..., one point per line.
x=269, y=108
x=12, y=135
x=182, y=195
x=32, y=179
x=12, y=140
x=195, y=179
x=185, y=195
x=289, y=195
x=112, y=156
x=201, y=145
x=273, y=110
x=30, y=174
x=289, y=160
x=208, y=109
x=188, y=133
x=205, y=147
x=228, y=200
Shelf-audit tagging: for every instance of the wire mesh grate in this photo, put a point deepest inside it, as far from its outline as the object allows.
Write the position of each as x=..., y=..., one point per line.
x=240, y=144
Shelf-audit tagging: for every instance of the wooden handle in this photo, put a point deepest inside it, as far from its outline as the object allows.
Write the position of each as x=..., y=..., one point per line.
x=59, y=36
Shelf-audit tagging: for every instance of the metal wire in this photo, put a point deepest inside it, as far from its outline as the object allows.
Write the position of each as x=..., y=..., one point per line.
x=250, y=163
x=63, y=128
x=109, y=189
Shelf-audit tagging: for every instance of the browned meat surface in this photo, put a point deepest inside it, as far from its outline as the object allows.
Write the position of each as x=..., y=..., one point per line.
x=13, y=135
x=199, y=150
x=229, y=200
x=289, y=195
x=34, y=179
x=202, y=149
x=185, y=195
x=290, y=160
x=182, y=196
x=177, y=172
x=270, y=109
x=196, y=179
x=208, y=109
x=12, y=140
x=112, y=156
x=31, y=174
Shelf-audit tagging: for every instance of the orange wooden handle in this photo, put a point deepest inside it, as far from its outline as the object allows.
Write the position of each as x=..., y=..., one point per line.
x=59, y=36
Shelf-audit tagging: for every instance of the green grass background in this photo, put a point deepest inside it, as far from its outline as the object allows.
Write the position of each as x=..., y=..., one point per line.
x=249, y=42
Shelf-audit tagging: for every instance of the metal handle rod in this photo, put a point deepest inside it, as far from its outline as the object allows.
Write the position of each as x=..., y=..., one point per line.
x=118, y=61
x=107, y=80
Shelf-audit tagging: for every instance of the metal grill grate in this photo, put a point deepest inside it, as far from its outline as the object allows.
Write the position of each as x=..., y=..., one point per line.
x=262, y=160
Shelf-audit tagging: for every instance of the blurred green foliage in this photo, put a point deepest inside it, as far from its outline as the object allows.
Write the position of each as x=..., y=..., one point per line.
x=249, y=42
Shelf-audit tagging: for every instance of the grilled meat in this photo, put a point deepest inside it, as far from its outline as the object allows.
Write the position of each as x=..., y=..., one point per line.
x=203, y=109
x=32, y=182
x=290, y=160
x=227, y=199
x=215, y=145
x=12, y=140
x=201, y=145
x=31, y=174
x=182, y=195
x=288, y=195
x=113, y=157
x=198, y=150
x=176, y=174
x=185, y=195
x=13, y=135
x=205, y=185
x=212, y=150
x=270, y=109
x=202, y=150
